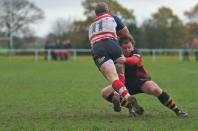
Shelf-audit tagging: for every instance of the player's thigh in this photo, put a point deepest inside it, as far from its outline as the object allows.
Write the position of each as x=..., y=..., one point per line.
x=100, y=53
x=115, y=52
x=151, y=88
x=113, y=49
x=108, y=69
x=104, y=54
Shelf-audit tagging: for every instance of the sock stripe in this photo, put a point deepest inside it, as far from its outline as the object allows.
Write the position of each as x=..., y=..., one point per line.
x=169, y=105
x=168, y=102
x=173, y=106
x=121, y=90
x=125, y=93
x=164, y=97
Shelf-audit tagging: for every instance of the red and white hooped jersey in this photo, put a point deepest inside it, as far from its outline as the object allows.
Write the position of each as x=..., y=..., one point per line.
x=104, y=27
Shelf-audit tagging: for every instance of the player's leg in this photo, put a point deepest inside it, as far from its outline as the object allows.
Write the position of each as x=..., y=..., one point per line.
x=130, y=102
x=120, y=70
x=133, y=87
x=109, y=94
x=150, y=87
x=109, y=71
x=107, y=67
x=104, y=54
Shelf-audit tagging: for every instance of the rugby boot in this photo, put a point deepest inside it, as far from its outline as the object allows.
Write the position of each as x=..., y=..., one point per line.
x=134, y=108
x=116, y=103
x=180, y=113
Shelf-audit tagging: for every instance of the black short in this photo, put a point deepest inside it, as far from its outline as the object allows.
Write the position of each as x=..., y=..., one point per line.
x=134, y=85
x=106, y=50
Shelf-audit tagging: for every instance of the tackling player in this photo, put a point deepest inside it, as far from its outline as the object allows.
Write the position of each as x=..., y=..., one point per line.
x=138, y=80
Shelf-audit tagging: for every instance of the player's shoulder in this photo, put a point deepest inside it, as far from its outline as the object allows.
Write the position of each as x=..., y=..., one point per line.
x=116, y=18
x=137, y=52
x=120, y=24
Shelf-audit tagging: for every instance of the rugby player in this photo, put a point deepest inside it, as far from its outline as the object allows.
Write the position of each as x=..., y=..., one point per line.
x=138, y=80
x=103, y=36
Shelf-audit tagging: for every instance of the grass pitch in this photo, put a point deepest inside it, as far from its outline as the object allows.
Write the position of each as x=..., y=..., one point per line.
x=43, y=96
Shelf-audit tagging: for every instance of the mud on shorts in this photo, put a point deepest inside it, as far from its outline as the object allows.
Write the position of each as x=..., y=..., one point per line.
x=105, y=50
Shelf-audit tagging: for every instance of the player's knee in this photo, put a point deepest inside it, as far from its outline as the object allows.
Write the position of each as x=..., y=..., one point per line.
x=155, y=91
x=103, y=94
x=106, y=92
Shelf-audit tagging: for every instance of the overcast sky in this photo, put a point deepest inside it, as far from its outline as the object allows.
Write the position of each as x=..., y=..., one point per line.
x=73, y=9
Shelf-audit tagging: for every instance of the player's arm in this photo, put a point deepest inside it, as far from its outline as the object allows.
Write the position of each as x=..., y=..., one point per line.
x=133, y=60
x=123, y=32
x=121, y=29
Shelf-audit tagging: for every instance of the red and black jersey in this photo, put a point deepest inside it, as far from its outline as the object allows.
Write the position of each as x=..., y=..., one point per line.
x=134, y=67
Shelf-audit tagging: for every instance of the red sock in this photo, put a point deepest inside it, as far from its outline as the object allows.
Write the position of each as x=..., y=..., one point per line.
x=120, y=88
x=122, y=78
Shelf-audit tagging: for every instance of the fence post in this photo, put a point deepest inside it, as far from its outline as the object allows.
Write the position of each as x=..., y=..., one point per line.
x=153, y=55
x=11, y=53
x=75, y=54
x=48, y=55
x=36, y=55
x=180, y=54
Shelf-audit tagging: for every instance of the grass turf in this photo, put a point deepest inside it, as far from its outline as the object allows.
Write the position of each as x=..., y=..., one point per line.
x=42, y=95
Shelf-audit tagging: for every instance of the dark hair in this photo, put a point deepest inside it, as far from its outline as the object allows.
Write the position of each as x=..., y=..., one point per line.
x=126, y=38
x=101, y=7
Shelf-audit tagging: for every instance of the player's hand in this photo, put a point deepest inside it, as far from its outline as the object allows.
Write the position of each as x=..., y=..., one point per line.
x=121, y=60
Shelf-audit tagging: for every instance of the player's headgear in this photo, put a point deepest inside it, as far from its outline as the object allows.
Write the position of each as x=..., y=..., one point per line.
x=101, y=7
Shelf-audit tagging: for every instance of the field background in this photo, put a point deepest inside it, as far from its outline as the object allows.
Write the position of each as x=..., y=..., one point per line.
x=43, y=96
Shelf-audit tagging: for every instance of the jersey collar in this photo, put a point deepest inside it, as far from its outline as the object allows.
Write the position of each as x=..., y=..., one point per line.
x=102, y=15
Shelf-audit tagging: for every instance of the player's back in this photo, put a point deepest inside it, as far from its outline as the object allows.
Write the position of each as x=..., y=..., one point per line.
x=104, y=27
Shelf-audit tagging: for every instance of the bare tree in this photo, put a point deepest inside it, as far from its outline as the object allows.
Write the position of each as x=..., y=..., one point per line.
x=15, y=15
x=193, y=23
x=193, y=14
x=61, y=26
